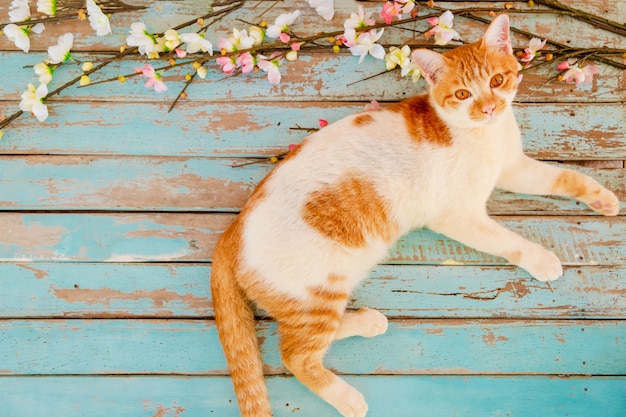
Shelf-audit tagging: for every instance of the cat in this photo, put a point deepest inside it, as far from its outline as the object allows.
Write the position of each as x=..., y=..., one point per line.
x=329, y=212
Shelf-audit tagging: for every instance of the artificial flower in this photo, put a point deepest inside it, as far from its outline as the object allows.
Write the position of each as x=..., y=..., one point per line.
x=196, y=42
x=271, y=66
x=180, y=53
x=257, y=34
x=61, y=51
x=530, y=53
x=408, y=7
x=291, y=56
x=48, y=7
x=44, y=71
x=145, y=41
x=201, y=71
x=239, y=40
x=358, y=20
x=390, y=10
x=32, y=101
x=322, y=122
x=97, y=19
x=154, y=78
x=278, y=29
x=86, y=66
x=413, y=71
x=372, y=106
x=577, y=74
x=19, y=34
x=84, y=80
x=348, y=38
x=19, y=11
x=398, y=56
x=227, y=64
x=246, y=62
x=171, y=39
x=324, y=8
x=442, y=29
x=366, y=44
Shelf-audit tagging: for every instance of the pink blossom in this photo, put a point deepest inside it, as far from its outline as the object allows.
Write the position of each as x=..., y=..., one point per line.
x=293, y=147
x=390, y=10
x=442, y=29
x=246, y=62
x=271, y=65
x=180, y=53
x=534, y=45
x=577, y=74
x=372, y=106
x=227, y=64
x=154, y=78
x=322, y=122
x=284, y=37
x=295, y=46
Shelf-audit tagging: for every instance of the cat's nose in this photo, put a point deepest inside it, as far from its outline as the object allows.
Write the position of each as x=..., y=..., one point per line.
x=488, y=109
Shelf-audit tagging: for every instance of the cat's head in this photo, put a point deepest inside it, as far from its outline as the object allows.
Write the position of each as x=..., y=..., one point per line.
x=473, y=84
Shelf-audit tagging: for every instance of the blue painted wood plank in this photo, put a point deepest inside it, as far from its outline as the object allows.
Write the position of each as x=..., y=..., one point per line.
x=316, y=76
x=190, y=237
x=82, y=290
x=68, y=182
x=400, y=396
x=433, y=346
x=551, y=131
x=193, y=184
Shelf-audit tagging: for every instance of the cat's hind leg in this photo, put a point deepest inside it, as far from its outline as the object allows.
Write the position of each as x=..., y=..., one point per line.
x=306, y=333
x=364, y=322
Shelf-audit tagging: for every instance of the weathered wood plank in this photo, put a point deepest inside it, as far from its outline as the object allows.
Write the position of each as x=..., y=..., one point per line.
x=162, y=15
x=400, y=396
x=317, y=76
x=192, y=184
x=434, y=346
x=190, y=237
x=551, y=131
x=169, y=290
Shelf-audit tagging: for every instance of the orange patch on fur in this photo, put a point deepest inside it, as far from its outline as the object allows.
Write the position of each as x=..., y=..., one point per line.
x=423, y=122
x=363, y=119
x=349, y=212
x=570, y=183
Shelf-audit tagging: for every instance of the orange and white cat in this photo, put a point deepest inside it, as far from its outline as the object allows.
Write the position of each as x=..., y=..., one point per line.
x=318, y=223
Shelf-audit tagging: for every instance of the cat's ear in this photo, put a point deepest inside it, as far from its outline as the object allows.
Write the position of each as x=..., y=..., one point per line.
x=497, y=35
x=430, y=63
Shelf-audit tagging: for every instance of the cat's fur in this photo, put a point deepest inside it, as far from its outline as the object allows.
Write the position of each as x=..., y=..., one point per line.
x=326, y=215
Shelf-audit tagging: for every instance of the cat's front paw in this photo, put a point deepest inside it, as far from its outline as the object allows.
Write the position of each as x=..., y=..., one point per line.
x=542, y=264
x=604, y=202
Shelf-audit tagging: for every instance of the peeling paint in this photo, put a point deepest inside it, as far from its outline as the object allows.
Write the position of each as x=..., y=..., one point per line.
x=104, y=296
x=39, y=273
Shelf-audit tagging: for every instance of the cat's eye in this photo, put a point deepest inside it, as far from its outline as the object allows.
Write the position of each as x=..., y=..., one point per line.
x=462, y=94
x=496, y=80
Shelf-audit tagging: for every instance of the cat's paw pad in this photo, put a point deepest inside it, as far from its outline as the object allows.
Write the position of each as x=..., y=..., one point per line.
x=345, y=398
x=542, y=264
x=605, y=202
x=372, y=322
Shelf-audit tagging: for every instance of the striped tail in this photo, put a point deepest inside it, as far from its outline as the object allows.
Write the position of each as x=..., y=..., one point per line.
x=235, y=324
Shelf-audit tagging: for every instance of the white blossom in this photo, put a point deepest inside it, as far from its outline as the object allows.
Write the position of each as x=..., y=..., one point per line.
x=97, y=19
x=32, y=101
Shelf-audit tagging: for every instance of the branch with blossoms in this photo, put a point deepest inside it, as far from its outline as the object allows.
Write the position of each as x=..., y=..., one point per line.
x=266, y=48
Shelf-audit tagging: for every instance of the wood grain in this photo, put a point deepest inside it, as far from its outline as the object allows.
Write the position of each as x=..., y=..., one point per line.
x=110, y=290
x=191, y=237
x=404, y=396
x=416, y=347
x=550, y=131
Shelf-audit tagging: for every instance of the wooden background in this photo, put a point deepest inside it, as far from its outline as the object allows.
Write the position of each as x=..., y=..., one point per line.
x=109, y=211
